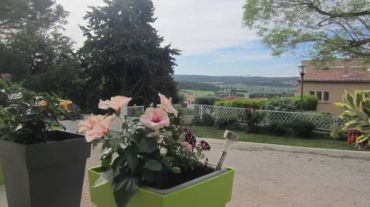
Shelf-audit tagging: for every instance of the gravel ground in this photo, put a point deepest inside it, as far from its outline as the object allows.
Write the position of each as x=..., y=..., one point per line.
x=272, y=175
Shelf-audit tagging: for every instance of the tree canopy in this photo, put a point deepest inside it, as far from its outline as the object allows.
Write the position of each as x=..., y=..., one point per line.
x=123, y=53
x=331, y=27
x=31, y=41
x=16, y=15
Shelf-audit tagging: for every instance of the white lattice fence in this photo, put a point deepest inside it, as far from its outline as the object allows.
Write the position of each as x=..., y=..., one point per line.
x=228, y=113
x=197, y=112
x=320, y=120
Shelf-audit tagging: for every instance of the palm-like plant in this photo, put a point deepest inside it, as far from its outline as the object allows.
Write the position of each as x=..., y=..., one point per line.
x=356, y=108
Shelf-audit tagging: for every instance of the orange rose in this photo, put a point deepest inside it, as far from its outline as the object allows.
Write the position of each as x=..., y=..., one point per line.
x=43, y=103
x=65, y=105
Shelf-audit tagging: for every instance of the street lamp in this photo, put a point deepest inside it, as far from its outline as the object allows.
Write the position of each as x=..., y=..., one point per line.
x=302, y=72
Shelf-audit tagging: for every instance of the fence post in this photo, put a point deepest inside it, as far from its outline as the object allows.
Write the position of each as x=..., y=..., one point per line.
x=201, y=112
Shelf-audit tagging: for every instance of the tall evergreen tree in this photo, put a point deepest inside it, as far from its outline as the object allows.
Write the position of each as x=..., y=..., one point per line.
x=123, y=53
x=30, y=36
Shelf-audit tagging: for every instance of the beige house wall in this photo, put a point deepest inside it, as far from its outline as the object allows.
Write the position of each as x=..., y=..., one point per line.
x=336, y=91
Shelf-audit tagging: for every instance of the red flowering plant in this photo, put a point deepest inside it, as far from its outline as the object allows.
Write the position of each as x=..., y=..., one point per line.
x=356, y=113
x=152, y=150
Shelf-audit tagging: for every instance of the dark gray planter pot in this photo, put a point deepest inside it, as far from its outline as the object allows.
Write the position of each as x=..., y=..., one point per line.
x=45, y=175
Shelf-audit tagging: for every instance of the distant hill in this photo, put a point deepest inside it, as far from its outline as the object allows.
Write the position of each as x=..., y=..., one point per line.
x=288, y=82
x=197, y=86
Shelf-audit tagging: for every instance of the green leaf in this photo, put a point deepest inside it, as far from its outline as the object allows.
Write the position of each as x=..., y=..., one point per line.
x=153, y=165
x=131, y=158
x=149, y=175
x=124, y=188
x=104, y=178
x=106, y=160
x=117, y=165
x=361, y=139
x=147, y=145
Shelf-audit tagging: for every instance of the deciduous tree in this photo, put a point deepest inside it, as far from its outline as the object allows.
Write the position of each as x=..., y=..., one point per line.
x=331, y=28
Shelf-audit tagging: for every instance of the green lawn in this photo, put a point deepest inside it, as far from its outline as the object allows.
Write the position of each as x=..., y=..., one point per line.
x=198, y=93
x=213, y=132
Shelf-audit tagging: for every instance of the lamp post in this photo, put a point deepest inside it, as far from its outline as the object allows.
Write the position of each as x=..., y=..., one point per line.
x=302, y=72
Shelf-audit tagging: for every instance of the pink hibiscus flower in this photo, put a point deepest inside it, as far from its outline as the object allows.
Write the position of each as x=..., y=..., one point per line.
x=166, y=104
x=155, y=118
x=115, y=103
x=96, y=127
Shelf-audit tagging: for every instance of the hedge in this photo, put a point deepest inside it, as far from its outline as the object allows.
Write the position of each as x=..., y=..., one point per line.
x=206, y=100
x=292, y=103
x=309, y=103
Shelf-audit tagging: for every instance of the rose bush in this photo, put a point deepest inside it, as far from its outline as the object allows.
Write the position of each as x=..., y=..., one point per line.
x=152, y=150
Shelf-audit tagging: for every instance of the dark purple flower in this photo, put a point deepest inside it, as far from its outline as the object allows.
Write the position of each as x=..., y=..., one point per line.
x=190, y=138
x=205, y=146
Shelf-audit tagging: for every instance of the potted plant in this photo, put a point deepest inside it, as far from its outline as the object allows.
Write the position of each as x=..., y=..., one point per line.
x=356, y=112
x=42, y=165
x=152, y=161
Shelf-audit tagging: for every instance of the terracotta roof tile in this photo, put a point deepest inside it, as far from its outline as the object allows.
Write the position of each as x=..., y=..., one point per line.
x=337, y=75
x=338, y=70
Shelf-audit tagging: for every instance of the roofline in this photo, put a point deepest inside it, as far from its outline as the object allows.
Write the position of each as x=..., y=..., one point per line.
x=335, y=59
x=335, y=81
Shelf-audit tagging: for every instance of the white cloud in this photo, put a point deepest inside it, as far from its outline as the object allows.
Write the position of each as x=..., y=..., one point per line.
x=193, y=26
x=197, y=26
x=241, y=56
x=77, y=9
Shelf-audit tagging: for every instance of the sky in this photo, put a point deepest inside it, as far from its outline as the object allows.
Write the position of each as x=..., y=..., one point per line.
x=210, y=34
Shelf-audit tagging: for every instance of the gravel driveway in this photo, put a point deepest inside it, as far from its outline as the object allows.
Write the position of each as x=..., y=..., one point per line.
x=281, y=176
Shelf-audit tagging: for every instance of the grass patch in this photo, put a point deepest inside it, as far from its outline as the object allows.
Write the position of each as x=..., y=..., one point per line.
x=213, y=132
x=197, y=93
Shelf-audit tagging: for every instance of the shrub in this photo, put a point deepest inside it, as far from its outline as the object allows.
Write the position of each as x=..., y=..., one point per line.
x=243, y=103
x=208, y=120
x=309, y=103
x=253, y=119
x=281, y=104
x=207, y=100
x=297, y=128
x=278, y=128
x=227, y=124
x=196, y=121
x=292, y=103
x=301, y=128
x=337, y=133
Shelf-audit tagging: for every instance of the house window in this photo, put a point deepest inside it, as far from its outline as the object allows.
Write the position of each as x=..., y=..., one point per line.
x=319, y=95
x=326, y=96
x=312, y=93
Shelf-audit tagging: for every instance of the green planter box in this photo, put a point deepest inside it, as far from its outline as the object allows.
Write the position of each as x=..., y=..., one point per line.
x=1, y=176
x=212, y=192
